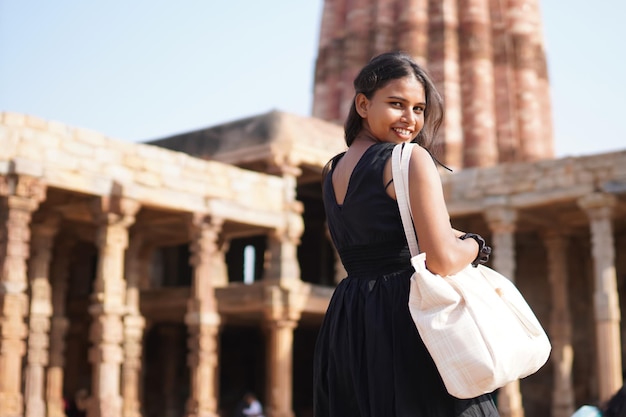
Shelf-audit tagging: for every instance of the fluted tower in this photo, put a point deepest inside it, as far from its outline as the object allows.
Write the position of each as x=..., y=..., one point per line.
x=487, y=58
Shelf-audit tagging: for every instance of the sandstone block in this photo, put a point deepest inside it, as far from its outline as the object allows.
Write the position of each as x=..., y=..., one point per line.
x=36, y=122
x=148, y=179
x=13, y=119
x=78, y=149
x=107, y=156
x=89, y=137
x=54, y=157
x=29, y=167
x=79, y=182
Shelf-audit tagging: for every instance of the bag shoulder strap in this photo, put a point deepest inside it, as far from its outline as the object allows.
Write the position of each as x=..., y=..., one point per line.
x=400, y=158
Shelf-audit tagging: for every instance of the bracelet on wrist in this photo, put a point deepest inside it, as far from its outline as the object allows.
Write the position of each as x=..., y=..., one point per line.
x=484, y=251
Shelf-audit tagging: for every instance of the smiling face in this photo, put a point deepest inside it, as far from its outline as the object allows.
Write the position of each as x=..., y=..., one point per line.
x=394, y=113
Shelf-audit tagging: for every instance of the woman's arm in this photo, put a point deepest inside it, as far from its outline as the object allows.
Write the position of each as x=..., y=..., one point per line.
x=445, y=253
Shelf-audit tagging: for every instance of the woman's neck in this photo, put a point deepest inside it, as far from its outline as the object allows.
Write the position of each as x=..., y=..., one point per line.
x=365, y=139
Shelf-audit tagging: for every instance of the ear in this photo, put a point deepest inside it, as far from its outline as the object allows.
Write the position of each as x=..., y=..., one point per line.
x=361, y=104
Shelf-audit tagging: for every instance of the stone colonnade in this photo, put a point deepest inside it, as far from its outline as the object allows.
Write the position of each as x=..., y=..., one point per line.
x=486, y=57
x=117, y=326
x=501, y=220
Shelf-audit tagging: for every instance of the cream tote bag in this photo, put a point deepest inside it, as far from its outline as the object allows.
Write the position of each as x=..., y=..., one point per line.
x=476, y=325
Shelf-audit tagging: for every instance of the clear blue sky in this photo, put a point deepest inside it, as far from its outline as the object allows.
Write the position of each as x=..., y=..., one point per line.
x=138, y=70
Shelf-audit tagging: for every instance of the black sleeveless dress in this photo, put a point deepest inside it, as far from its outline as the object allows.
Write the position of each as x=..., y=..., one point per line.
x=369, y=358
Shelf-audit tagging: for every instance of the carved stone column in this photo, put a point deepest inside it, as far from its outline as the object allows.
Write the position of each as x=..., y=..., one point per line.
x=134, y=325
x=202, y=318
x=19, y=198
x=501, y=220
x=219, y=271
x=113, y=215
x=562, y=355
x=599, y=208
x=59, y=324
x=39, y=318
x=281, y=320
x=281, y=259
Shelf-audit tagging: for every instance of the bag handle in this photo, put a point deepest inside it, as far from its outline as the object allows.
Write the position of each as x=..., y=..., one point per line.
x=400, y=158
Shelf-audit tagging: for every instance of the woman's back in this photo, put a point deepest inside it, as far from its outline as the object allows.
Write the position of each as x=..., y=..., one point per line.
x=366, y=227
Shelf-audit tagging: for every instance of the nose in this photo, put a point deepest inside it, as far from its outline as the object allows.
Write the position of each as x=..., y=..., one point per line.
x=407, y=116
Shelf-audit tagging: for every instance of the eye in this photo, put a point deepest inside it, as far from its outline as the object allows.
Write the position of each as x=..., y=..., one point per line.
x=418, y=109
x=396, y=104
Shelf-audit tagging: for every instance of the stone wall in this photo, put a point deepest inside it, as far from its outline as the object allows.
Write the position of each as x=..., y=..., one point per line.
x=525, y=185
x=88, y=162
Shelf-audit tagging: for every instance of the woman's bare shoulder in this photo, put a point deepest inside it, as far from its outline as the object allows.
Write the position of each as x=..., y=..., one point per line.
x=422, y=161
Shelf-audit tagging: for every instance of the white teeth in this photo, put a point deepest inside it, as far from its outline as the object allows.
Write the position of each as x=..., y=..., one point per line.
x=403, y=131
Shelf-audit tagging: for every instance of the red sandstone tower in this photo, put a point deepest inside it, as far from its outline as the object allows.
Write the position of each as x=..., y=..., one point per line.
x=486, y=56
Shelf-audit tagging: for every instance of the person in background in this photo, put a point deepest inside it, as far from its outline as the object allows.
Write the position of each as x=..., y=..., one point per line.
x=77, y=407
x=369, y=358
x=252, y=406
x=614, y=407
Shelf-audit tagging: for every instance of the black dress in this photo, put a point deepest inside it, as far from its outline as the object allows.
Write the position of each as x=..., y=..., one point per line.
x=369, y=358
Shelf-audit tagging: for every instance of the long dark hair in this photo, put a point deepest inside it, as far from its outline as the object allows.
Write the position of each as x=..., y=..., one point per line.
x=381, y=70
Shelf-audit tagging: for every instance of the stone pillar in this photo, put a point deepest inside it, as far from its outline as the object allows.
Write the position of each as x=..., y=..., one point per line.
x=202, y=318
x=443, y=64
x=281, y=258
x=281, y=320
x=281, y=261
x=282, y=282
x=134, y=325
x=219, y=271
x=599, y=208
x=521, y=22
x=113, y=216
x=477, y=84
x=562, y=355
x=501, y=221
x=19, y=198
x=39, y=318
x=59, y=324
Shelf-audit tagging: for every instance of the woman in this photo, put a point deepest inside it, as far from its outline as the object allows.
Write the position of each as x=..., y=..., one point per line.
x=369, y=358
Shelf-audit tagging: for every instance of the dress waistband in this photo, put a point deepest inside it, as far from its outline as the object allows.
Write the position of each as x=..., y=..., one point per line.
x=366, y=261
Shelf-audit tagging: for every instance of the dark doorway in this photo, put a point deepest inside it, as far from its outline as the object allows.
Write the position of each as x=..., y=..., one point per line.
x=242, y=366
x=166, y=374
